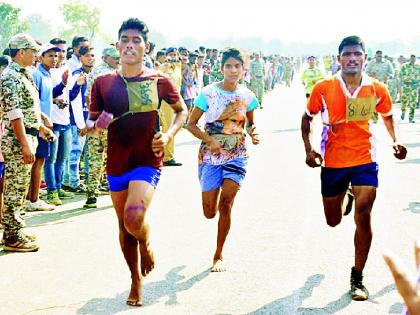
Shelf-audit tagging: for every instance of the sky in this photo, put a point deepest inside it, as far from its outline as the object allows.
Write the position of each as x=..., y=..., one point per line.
x=290, y=21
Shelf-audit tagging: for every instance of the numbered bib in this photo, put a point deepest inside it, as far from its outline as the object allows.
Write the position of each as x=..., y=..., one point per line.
x=360, y=109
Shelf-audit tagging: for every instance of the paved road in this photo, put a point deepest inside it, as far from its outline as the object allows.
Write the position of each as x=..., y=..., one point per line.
x=282, y=257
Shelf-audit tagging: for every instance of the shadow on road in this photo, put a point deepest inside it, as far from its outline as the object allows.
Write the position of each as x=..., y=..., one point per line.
x=46, y=218
x=286, y=130
x=397, y=308
x=412, y=161
x=413, y=207
x=152, y=293
x=289, y=304
x=344, y=301
x=412, y=145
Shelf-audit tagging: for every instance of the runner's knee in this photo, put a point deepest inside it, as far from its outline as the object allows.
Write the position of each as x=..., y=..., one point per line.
x=333, y=221
x=134, y=217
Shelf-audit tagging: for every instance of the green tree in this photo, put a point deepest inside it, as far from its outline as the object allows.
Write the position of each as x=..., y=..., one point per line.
x=80, y=19
x=10, y=23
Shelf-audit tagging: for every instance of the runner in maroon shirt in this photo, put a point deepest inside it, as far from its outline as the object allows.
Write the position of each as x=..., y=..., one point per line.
x=128, y=101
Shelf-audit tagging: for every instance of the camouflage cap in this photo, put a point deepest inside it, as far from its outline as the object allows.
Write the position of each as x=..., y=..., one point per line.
x=23, y=41
x=111, y=51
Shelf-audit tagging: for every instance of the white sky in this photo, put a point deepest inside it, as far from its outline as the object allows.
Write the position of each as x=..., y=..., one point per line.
x=290, y=21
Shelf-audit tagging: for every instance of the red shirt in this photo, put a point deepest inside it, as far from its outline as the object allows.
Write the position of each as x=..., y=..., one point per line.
x=129, y=138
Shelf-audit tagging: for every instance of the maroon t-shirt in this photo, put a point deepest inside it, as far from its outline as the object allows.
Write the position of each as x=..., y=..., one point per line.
x=129, y=138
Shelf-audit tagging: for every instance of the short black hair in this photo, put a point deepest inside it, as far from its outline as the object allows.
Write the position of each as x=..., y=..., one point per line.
x=4, y=61
x=77, y=40
x=57, y=41
x=6, y=52
x=160, y=53
x=84, y=50
x=13, y=52
x=69, y=53
x=151, y=46
x=232, y=53
x=134, y=24
x=378, y=52
x=351, y=41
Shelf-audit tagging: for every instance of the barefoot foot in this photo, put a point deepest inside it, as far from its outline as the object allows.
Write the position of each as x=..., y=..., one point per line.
x=218, y=266
x=134, y=299
x=147, y=259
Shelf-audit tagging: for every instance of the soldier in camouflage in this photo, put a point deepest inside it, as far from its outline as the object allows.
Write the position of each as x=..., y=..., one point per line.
x=20, y=110
x=410, y=79
x=97, y=144
x=256, y=70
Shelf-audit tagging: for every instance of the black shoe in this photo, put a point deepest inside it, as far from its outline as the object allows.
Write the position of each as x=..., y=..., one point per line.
x=350, y=199
x=172, y=163
x=90, y=203
x=358, y=291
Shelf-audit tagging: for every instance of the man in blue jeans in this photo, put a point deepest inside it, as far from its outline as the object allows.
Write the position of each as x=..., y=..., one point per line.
x=60, y=117
x=78, y=116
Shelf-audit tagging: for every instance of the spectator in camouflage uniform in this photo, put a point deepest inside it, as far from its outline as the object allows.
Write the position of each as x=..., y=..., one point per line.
x=380, y=68
x=97, y=144
x=20, y=110
x=256, y=70
x=410, y=78
x=216, y=74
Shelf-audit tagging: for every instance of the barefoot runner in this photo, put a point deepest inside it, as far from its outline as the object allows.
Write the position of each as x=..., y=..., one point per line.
x=128, y=100
x=227, y=107
x=347, y=102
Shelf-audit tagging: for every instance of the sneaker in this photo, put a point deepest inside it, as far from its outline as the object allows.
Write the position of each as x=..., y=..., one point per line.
x=39, y=205
x=52, y=198
x=62, y=194
x=402, y=116
x=172, y=163
x=90, y=203
x=358, y=291
x=103, y=190
x=80, y=189
x=43, y=185
x=20, y=243
x=350, y=199
x=42, y=192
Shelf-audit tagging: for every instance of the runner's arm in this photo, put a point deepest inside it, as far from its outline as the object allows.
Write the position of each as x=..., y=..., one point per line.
x=193, y=127
x=313, y=158
x=306, y=129
x=400, y=150
x=181, y=115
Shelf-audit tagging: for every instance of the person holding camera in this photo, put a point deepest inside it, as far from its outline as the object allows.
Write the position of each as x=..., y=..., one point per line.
x=60, y=118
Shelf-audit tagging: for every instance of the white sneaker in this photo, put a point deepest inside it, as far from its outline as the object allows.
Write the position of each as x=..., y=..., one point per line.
x=39, y=205
x=42, y=192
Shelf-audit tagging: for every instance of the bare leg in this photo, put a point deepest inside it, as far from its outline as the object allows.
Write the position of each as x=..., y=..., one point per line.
x=228, y=193
x=131, y=206
x=364, y=199
x=33, y=193
x=334, y=208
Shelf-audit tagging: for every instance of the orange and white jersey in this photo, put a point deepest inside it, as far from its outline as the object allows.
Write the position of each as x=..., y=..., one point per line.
x=347, y=137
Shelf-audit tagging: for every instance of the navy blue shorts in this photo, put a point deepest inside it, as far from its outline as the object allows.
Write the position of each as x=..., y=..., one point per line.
x=43, y=148
x=143, y=173
x=335, y=181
